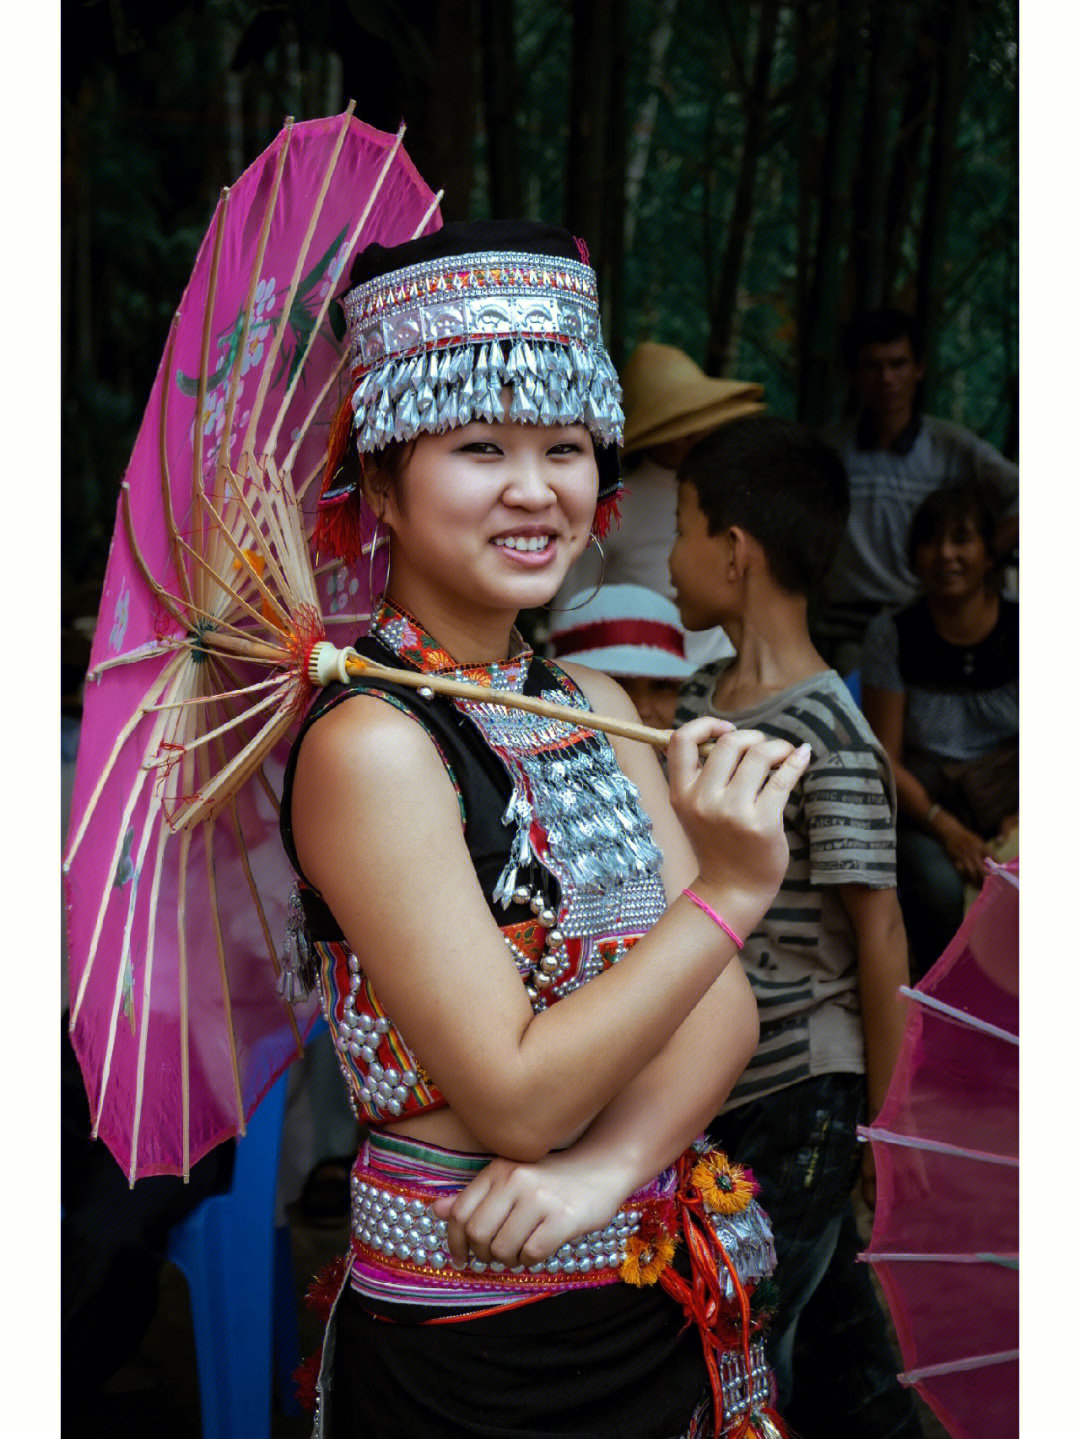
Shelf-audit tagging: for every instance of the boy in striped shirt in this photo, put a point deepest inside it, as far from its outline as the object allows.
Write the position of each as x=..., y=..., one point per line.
x=761, y=510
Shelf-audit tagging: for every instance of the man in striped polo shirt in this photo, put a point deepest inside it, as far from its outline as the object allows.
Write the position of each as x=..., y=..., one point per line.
x=762, y=507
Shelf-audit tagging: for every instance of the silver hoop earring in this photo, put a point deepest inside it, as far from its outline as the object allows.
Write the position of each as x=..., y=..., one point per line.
x=376, y=541
x=565, y=609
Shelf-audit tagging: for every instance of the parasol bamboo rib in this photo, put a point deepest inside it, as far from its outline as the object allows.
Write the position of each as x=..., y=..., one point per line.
x=271, y=443
x=128, y=811
x=160, y=685
x=162, y=595
x=182, y=971
x=219, y=942
x=155, y=650
x=436, y=201
x=243, y=763
x=249, y=301
x=248, y=572
x=204, y=360
x=153, y=743
x=301, y=261
x=265, y=784
x=191, y=746
x=144, y=1020
x=255, y=688
x=305, y=485
x=969, y=1021
x=122, y=965
x=938, y=1146
x=334, y=375
x=282, y=510
x=216, y=617
x=264, y=545
x=331, y=166
x=166, y=478
x=253, y=889
x=957, y=1366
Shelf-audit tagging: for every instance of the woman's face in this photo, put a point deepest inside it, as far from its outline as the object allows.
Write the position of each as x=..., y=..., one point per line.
x=490, y=516
x=954, y=562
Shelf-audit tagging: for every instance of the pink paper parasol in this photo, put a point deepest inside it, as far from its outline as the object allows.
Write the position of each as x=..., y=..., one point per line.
x=176, y=880
x=946, y=1146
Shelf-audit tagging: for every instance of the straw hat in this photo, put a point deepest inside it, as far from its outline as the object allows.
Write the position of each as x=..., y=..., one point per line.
x=624, y=630
x=666, y=396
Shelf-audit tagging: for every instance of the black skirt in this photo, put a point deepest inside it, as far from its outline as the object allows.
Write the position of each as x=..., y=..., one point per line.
x=608, y=1363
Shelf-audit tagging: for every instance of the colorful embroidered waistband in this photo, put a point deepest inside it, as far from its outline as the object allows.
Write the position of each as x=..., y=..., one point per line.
x=399, y=1251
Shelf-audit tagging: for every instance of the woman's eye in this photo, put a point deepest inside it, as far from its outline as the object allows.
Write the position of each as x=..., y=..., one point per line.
x=568, y=447
x=480, y=447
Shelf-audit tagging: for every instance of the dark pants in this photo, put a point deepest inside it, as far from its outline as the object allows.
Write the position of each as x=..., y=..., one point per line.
x=801, y=1145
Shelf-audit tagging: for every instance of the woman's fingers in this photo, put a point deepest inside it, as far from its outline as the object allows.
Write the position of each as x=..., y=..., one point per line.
x=786, y=775
x=683, y=762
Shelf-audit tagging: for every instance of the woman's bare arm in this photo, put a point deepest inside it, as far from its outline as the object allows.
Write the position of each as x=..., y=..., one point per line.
x=400, y=881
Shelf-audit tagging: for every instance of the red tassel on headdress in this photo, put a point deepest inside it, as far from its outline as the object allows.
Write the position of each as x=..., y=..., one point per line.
x=607, y=514
x=339, y=521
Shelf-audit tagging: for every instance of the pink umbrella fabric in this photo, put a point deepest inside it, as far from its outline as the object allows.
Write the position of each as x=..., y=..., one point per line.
x=946, y=1146
x=175, y=922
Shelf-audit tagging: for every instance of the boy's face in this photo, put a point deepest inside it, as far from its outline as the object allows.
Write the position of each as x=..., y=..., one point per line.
x=695, y=564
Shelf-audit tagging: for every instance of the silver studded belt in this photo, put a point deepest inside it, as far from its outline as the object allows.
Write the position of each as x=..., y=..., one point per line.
x=389, y=1225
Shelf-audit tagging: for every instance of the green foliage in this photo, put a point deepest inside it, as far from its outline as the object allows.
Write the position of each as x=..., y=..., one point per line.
x=162, y=105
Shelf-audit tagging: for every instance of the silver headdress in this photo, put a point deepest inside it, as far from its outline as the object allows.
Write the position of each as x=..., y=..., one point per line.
x=434, y=345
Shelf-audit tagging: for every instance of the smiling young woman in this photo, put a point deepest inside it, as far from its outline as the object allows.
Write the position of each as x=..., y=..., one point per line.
x=534, y=1020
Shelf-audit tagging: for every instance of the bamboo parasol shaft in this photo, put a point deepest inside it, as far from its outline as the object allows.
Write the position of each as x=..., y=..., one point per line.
x=356, y=667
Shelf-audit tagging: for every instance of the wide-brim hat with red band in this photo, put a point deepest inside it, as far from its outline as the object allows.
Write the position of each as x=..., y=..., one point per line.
x=624, y=630
x=442, y=327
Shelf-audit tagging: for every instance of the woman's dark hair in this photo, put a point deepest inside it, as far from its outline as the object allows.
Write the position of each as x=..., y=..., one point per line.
x=951, y=505
x=781, y=484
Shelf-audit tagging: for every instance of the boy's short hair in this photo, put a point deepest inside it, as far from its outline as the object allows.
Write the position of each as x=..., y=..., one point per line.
x=777, y=481
x=880, y=327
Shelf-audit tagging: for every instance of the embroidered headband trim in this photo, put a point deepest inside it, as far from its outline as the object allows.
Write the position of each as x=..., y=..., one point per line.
x=433, y=346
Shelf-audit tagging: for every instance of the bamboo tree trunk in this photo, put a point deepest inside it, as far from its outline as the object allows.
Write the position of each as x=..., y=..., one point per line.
x=907, y=151
x=819, y=371
x=869, y=284
x=641, y=136
x=500, y=97
x=954, y=35
x=722, y=317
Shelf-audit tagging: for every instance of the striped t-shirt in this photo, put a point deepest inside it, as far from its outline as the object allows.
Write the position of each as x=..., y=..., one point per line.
x=841, y=829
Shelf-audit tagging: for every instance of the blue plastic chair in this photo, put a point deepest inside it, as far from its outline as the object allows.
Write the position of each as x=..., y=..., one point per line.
x=239, y=1271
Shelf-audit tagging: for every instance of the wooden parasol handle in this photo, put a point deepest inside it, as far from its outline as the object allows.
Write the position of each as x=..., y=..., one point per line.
x=328, y=663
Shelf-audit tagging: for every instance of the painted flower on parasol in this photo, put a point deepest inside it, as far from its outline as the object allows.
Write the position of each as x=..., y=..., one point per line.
x=946, y=1146
x=175, y=879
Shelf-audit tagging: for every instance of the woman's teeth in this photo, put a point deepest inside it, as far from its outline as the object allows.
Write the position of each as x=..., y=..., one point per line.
x=519, y=542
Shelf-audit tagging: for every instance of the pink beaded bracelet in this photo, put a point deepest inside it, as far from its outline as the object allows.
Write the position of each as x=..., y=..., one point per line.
x=708, y=909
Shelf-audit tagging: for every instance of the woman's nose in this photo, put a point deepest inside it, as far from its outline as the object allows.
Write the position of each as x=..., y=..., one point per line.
x=527, y=484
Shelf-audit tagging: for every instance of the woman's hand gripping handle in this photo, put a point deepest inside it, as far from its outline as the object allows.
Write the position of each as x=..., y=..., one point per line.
x=732, y=809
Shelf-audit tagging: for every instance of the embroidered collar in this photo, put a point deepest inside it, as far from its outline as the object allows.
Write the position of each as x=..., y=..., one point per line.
x=407, y=639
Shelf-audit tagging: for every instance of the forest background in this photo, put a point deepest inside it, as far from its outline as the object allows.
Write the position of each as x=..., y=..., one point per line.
x=747, y=174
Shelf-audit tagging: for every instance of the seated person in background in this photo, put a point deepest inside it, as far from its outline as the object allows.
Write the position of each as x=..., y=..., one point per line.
x=633, y=634
x=940, y=689
x=894, y=457
x=670, y=404
x=761, y=508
